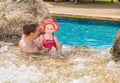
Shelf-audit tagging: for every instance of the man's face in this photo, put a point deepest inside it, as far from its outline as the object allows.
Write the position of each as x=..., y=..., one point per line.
x=35, y=35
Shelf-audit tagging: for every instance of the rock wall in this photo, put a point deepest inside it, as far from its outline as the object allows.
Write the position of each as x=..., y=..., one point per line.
x=14, y=13
x=116, y=47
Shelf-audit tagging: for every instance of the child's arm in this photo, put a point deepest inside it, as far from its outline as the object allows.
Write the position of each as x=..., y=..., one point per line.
x=57, y=43
x=41, y=39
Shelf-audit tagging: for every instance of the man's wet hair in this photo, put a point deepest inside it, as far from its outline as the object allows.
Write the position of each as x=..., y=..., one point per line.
x=29, y=27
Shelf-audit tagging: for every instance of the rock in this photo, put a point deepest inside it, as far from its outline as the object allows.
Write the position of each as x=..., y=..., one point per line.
x=116, y=47
x=14, y=13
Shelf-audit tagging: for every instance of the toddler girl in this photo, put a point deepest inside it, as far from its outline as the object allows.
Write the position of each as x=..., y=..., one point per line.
x=48, y=40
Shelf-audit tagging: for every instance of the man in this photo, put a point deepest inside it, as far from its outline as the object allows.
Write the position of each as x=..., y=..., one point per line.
x=28, y=44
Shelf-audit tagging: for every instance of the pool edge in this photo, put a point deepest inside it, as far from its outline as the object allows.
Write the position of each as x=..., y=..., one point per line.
x=85, y=17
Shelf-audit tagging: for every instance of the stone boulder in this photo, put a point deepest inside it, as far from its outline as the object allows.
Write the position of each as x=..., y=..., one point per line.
x=116, y=47
x=14, y=13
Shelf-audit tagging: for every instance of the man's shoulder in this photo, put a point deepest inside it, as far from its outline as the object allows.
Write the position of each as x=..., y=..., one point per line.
x=22, y=43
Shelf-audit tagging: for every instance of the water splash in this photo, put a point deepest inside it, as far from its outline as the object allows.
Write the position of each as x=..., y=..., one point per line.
x=79, y=65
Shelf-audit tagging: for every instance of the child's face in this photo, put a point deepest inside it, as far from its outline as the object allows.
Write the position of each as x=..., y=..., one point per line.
x=49, y=28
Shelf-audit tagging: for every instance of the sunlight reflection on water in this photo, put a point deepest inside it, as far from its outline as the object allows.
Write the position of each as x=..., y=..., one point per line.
x=85, y=66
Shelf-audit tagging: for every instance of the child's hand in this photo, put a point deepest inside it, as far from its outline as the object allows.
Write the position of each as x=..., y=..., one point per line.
x=46, y=49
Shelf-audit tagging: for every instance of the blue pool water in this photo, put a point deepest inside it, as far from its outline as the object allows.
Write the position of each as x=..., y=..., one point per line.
x=90, y=33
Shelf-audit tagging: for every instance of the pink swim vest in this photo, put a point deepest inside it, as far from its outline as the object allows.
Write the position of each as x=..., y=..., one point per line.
x=49, y=43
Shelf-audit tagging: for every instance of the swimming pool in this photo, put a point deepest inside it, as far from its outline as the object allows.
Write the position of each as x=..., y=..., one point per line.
x=90, y=33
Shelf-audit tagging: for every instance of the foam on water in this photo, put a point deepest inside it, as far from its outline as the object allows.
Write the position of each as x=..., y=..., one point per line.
x=78, y=65
x=21, y=74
